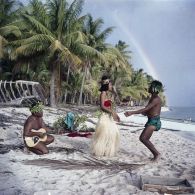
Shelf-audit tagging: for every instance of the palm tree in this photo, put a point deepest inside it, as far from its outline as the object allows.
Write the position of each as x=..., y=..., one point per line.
x=122, y=47
x=46, y=29
x=53, y=44
x=118, y=66
x=95, y=38
x=8, y=12
x=138, y=87
x=74, y=86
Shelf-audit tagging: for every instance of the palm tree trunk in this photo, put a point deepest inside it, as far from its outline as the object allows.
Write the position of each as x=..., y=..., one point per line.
x=74, y=96
x=82, y=85
x=58, y=74
x=52, y=87
x=116, y=94
x=84, y=101
x=1, y=47
x=65, y=95
x=91, y=98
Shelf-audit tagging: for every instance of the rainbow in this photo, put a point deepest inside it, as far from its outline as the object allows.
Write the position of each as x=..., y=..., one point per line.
x=142, y=53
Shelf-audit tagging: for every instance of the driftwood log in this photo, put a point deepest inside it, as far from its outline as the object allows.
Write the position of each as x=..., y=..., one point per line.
x=166, y=185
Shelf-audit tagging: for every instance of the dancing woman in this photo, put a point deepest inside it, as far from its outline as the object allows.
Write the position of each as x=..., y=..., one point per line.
x=106, y=137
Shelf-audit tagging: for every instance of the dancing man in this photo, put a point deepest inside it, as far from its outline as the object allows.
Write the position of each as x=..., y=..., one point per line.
x=152, y=111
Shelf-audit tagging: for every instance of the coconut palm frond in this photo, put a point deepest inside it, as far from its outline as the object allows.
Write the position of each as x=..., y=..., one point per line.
x=74, y=37
x=96, y=26
x=40, y=12
x=81, y=20
x=96, y=71
x=68, y=57
x=143, y=92
x=22, y=25
x=104, y=34
x=116, y=52
x=36, y=25
x=92, y=87
x=56, y=11
x=65, y=85
x=43, y=73
x=27, y=50
x=51, y=5
x=89, y=163
x=60, y=19
x=38, y=38
x=115, y=58
x=75, y=9
x=122, y=47
x=10, y=29
x=8, y=11
x=55, y=46
x=89, y=52
x=3, y=41
x=130, y=91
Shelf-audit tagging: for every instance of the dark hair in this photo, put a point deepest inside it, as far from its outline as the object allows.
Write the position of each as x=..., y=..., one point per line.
x=104, y=77
x=156, y=86
x=104, y=86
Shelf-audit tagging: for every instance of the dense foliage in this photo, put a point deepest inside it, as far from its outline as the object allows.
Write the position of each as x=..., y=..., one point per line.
x=67, y=52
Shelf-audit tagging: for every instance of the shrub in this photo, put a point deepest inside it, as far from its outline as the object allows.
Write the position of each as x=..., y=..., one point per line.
x=79, y=123
x=59, y=124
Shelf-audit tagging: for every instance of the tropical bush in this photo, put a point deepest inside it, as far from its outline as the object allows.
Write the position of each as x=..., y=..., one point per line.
x=79, y=123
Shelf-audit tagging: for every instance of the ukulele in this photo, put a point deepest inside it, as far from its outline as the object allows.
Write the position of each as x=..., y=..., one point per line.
x=32, y=141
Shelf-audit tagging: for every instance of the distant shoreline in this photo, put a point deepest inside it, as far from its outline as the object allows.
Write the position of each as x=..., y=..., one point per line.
x=190, y=135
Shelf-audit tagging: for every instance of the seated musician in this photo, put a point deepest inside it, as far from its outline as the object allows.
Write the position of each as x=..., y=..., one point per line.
x=35, y=137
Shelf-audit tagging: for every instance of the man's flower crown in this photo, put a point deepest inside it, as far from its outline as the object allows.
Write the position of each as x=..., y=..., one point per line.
x=38, y=107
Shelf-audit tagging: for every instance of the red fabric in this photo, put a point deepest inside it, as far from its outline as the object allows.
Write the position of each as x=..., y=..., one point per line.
x=108, y=103
x=76, y=134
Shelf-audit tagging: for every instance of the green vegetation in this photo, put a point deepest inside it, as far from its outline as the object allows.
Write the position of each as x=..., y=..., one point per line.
x=79, y=123
x=65, y=51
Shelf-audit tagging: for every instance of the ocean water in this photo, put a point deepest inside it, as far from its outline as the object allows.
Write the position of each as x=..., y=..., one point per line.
x=180, y=120
x=180, y=114
x=185, y=115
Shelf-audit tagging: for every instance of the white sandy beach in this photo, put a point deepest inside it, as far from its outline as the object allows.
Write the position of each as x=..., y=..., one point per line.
x=24, y=173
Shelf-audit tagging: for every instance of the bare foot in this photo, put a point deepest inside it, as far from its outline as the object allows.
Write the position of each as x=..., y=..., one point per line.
x=156, y=158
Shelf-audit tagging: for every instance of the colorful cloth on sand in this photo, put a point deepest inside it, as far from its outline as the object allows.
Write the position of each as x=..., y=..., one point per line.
x=69, y=120
x=77, y=134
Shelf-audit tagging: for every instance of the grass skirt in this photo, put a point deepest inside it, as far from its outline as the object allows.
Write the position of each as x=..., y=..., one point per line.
x=106, y=137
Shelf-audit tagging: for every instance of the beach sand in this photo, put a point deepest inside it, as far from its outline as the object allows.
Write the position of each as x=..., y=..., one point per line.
x=65, y=170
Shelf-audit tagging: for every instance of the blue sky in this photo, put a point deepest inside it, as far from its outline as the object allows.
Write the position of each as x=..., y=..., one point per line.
x=161, y=35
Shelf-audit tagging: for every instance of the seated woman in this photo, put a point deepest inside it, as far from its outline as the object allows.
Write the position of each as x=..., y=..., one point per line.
x=34, y=133
x=106, y=137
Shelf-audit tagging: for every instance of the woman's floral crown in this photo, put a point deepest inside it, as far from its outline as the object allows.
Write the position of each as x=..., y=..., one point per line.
x=106, y=81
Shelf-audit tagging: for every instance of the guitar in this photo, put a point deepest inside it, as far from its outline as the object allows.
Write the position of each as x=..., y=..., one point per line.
x=34, y=140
